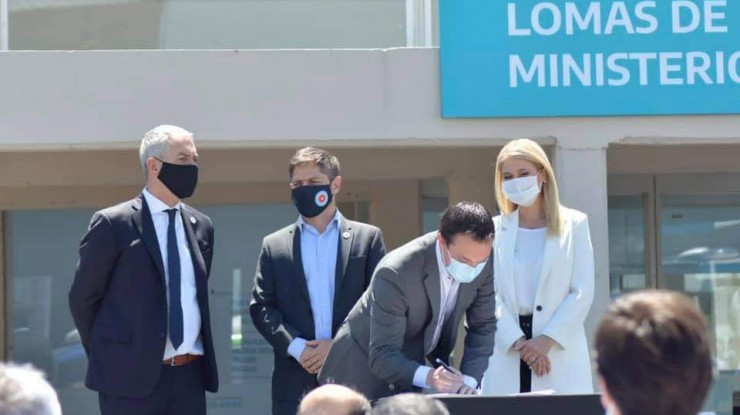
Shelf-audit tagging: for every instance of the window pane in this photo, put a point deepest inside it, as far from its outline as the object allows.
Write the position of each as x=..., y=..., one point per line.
x=42, y=255
x=701, y=257
x=206, y=24
x=244, y=357
x=434, y=201
x=627, y=269
x=431, y=213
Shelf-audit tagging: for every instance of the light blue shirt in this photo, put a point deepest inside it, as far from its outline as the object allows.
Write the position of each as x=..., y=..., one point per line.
x=319, y=258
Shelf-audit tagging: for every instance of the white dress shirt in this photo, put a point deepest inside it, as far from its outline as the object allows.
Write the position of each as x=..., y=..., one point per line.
x=319, y=259
x=448, y=297
x=529, y=252
x=191, y=341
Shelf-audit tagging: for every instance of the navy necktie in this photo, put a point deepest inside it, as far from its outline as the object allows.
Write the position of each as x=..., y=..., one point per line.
x=173, y=270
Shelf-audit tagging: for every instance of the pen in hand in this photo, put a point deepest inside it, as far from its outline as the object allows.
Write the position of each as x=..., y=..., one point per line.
x=447, y=367
x=451, y=370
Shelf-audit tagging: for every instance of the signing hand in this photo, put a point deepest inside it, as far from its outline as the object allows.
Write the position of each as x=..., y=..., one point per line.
x=313, y=356
x=445, y=381
x=467, y=390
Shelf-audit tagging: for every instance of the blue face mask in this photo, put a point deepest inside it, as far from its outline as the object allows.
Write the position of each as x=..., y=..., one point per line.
x=463, y=273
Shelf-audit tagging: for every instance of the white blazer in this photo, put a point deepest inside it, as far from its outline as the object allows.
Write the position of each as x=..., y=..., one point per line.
x=562, y=302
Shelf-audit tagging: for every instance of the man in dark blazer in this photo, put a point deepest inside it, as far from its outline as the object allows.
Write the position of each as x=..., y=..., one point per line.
x=413, y=308
x=140, y=294
x=309, y=275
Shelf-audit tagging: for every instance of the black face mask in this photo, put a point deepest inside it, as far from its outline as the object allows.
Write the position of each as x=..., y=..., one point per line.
x=181, y=179
x=312, y=200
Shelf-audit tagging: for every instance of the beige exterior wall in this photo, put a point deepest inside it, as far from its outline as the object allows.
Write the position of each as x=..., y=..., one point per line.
x=656, y=159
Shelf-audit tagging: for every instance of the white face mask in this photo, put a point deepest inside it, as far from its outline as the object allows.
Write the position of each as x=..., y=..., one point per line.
x=522, y=191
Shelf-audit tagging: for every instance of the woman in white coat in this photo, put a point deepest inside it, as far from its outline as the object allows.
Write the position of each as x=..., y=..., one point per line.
x=544, y=279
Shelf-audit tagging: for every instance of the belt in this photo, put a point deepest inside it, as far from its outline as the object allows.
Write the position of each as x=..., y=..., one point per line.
x=182, y=359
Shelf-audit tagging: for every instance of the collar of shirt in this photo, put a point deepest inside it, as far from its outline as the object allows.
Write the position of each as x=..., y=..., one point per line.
x=441, y=264
x=156, y=205
x=336, y=221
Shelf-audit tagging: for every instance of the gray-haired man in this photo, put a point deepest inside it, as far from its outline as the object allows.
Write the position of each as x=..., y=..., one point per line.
x=140, y=294
x=24, y=391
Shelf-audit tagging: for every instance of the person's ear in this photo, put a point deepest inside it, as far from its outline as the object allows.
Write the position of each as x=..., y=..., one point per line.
x=336, y=185
x=153, y=166
x=606, y=399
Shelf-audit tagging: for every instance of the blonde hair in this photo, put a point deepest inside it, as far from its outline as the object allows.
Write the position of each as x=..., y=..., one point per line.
x=526, y=149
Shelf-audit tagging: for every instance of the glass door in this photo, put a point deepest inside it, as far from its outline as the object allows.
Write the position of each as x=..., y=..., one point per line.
x=682, y=232
x=631, y=254
x=699, y=245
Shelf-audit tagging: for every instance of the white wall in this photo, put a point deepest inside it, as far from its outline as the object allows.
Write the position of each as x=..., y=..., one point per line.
x=252, y=98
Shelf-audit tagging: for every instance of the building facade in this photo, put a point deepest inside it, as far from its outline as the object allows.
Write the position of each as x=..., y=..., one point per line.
x=256, y=79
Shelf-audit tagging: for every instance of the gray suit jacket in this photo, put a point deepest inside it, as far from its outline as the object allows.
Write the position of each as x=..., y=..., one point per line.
x=388, y=333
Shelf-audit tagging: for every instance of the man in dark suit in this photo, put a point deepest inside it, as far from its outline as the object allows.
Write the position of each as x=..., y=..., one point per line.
x=140, y=294
x=413, y=308
x=309, y=276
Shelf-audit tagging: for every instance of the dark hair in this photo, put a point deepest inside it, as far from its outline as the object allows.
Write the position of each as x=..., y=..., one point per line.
x=469, y=218
x=410, y=404
x=653, y=353
x=328, y=163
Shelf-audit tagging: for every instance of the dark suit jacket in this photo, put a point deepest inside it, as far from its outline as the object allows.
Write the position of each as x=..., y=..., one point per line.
x=118, y=298
x=281, y=307
x=389, y=332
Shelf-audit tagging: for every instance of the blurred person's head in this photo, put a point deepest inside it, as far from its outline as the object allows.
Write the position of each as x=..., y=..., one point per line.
x=334, y=400
x=653, y=355
x=524, y=177
x=24, y=391
x=410, y=404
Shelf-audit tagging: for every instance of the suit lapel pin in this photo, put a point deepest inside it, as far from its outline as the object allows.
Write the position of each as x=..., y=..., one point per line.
x=192, y=220
x=346, y=235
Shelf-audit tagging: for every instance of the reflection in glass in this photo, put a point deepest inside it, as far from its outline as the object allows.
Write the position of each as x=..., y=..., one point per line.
x=205, y=24
x=244, y=357
x=627, y=268
x=42, y=258
x=700, y=250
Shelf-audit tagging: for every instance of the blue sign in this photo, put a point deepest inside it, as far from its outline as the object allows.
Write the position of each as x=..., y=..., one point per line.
x=531, y=58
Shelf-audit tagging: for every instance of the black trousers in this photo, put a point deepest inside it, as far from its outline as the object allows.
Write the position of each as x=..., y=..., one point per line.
x=180, y=390
x=525, y=373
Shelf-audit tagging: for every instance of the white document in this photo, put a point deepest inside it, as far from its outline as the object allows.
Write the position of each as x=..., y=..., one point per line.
x=543, y=392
